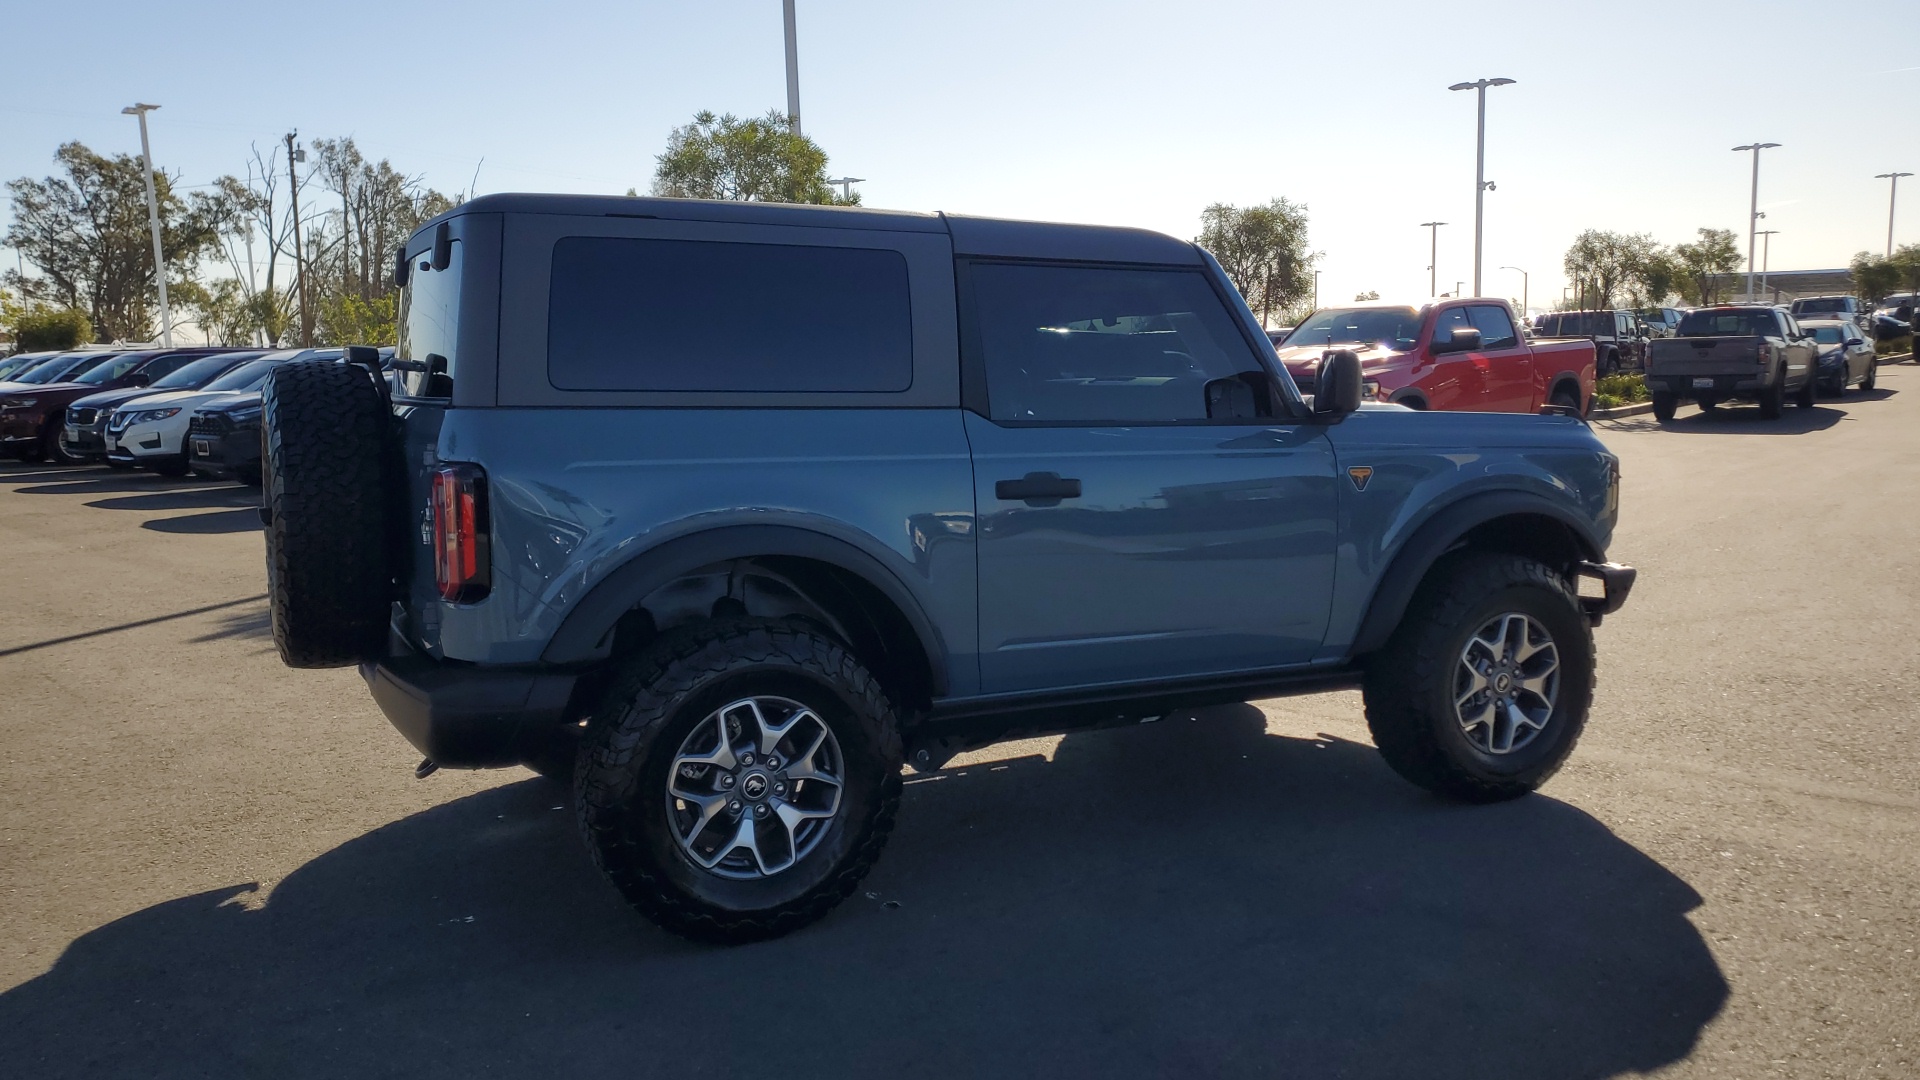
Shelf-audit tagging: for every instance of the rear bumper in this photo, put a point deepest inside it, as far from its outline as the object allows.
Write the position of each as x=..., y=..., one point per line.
x=466, y=717
x=1718, y=388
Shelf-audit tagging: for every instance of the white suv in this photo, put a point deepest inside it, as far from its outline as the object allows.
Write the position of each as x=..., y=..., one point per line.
x=151, y=431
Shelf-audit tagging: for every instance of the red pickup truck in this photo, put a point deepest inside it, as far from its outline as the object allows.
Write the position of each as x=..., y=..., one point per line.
x=1465, y=355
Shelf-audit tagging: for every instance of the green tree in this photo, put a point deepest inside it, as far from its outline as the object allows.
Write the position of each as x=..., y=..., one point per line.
x=86, y=229
x=754, y=160
x=1874, y=276
x=43, y=329
x=1906, y=263
x=1263, y=249
x=1659, y=278
x=1608, y=266
x=1702, y=266
x=1370, y=294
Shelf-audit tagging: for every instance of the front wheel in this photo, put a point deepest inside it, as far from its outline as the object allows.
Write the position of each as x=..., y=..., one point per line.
x=1483, y=690
x=739, y=779
x=1873, y=370
x=1664, y=406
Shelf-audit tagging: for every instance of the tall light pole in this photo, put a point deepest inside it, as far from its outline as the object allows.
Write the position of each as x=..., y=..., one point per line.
x=1753, y=208
x=1523, y=288
x=1316, y=290
x=1766, y=253
x=793, y=69
x=1433, y=258
x=298, y=153
x=846, y=185
x=1481, y=185
x=153, y=220
x=1893, y=189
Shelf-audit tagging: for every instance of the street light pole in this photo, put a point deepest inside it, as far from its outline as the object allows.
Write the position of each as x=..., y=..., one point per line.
x=1481, y=185
x=153, y=221
x=1893, y=190
x=1316, y=290
x=846, y=185
x=299, y=257
x=793, y=68
x=1433, y=258
x=1753, y=208
x=1523, y=288
x=1766, y=253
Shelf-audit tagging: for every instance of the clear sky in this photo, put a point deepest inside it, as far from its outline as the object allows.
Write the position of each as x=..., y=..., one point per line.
x=1112, y=112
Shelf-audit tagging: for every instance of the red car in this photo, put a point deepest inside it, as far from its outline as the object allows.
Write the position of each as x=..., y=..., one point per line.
x=1465, y=355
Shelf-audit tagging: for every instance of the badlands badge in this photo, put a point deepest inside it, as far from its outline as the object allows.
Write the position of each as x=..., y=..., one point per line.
x=1360, y=474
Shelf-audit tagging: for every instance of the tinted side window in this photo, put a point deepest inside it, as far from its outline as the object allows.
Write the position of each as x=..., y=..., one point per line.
x=684, y=315
x=1448, y=321
x=1496, y=330
x=1096, y=345
x=429, y=328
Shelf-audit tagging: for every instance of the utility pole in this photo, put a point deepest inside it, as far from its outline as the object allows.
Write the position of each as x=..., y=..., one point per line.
x=1433, y=259
x=153, y=221
x=1766, y=253
x=846, y=185
x=1753, y=206
x=1523, y=288
x=1481, y=185
x=1316, y=290
x=299, y=257
x=793, y=69
x=1893, y=191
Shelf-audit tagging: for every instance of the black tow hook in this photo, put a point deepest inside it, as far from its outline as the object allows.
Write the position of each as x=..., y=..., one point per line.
x=426, y=768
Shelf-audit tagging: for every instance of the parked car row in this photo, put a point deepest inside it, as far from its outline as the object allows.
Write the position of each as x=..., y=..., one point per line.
x=1758, y=353
x=168, y=410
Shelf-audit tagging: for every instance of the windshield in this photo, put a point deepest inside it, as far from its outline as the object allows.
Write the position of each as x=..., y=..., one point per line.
x=199, y=373
x=1830, y=303
x=108, y=372
x=56, y=370
x=18, y=363
x=1828, y=335
x=245, y=377
x=1395, y=328
x=1748, y=323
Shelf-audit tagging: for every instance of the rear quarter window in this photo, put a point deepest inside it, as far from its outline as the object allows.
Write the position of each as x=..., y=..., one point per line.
x=629, y=314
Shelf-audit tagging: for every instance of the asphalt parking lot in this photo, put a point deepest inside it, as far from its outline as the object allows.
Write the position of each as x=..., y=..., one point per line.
x=213, y=865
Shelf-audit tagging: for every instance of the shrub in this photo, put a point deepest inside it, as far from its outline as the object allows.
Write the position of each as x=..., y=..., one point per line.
x=49, y=329
x=1620, y=390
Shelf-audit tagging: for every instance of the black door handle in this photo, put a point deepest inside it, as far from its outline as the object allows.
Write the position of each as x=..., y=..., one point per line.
x=1038, y=489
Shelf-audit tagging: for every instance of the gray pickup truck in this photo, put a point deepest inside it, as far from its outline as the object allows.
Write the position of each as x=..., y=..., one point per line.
x=726, y=511
x=1729, y=353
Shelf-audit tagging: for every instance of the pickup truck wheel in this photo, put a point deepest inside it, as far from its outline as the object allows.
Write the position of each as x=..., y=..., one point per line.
x=1811, y=386
x=1774, y=397
x=1664, y=406
x=739, y=779
x=1567, y=399
x=324, y=433
x=1483, y=690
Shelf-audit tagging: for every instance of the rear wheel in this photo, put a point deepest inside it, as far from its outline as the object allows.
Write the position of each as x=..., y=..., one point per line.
x=1483, y=690
x=53, y=449
x=1810, y=386
x=324, y=428
x=1567, y=399
x=739, y=779
x=1664, y=406
x=1774, y=398
x=1873, y=370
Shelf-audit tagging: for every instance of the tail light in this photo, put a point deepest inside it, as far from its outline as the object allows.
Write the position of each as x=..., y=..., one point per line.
x=1765, y=354
x=460, y=556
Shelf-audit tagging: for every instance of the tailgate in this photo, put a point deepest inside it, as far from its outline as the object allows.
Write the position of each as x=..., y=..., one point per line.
x=1704, y=355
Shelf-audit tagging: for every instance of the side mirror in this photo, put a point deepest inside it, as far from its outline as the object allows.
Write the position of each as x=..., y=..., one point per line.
x=139, y=378
x=1336, y=390
x=1463, y=339
x=1854, y=342
x=442, y=246
x=402, y=268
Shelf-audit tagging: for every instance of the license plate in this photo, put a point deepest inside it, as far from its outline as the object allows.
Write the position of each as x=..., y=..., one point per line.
x=1703, y=384
x=200, y=448
x=111, y=443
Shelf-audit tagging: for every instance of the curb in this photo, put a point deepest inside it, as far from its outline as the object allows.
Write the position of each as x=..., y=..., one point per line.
x=1635, y=409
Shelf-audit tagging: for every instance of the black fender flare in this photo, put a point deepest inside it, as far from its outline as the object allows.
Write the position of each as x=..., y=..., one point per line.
x=583, y=631
x=1436, y=536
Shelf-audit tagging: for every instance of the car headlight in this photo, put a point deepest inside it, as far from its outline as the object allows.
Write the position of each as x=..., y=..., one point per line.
x=151, y=414
x=18, y=403
x=244, y=416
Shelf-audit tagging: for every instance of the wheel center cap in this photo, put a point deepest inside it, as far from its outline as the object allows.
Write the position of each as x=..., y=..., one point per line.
x=754, y=786
x=1502, y=683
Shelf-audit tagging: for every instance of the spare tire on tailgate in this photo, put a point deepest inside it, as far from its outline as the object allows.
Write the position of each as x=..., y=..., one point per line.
x=323, y=457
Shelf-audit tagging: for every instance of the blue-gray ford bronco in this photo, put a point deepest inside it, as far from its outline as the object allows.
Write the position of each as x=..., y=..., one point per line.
x=727, y=512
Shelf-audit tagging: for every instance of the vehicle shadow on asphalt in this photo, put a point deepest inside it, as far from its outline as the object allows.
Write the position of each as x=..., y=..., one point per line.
x=220, y=521
x=200, y=498
x=1734, y=420
x=100, y=480
x=1190, y=898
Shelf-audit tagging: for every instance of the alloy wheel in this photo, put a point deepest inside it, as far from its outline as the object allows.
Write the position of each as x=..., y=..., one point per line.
x=1506, y=683
x=755, y=786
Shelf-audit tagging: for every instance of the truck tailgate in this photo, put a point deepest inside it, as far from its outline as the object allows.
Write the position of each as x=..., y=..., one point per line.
x=1703, y=355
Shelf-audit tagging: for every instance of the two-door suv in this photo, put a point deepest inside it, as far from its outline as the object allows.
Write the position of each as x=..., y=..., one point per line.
x=729, y=510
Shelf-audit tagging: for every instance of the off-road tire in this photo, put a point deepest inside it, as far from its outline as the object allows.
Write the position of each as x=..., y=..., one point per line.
x=324, y=430
x=1773, y=399
x=1409, y=683
x=1810, y=388
x=648, y=711
x=1664, y=406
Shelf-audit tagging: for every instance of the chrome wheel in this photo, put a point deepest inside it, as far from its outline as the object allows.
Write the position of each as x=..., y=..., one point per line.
x=754, y=787
x=1507, y=683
